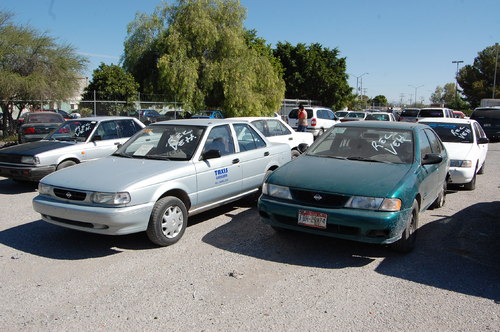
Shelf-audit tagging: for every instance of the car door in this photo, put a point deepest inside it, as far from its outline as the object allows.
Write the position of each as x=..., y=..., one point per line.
x=482, y=148
x=104, y=140
x=218, y=178
x=254, y=156
x=438, y=171
x=427, y=173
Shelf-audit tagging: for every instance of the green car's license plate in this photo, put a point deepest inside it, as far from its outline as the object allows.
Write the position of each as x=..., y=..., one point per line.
x=312, y=219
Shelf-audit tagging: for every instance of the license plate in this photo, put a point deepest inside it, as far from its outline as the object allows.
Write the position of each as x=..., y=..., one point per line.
x=312, y=219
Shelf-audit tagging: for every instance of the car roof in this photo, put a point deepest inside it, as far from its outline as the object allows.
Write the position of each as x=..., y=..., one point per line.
x=382, y=125
x=254, y=118
x=447, y=120
x=103, y=118
x=200, y=122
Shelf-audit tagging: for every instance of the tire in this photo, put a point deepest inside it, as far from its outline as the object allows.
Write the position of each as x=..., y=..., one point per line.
x=65, y=164
x=409, y=236
x=472, y=184
x=295, y=154
x=481, y=170
x=168, y=221
x=441, y=199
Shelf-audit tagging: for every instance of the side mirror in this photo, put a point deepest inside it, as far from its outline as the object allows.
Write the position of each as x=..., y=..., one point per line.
x=483, y=140
x=96, y=138
x=210, y=154
x=302, y=147
x=431, y=159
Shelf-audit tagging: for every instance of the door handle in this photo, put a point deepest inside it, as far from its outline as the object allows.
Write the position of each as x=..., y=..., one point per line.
x=235, y=161
x=290, y=138
x=266, y=153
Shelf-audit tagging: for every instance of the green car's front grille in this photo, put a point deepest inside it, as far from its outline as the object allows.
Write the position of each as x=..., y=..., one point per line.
x=319, y=199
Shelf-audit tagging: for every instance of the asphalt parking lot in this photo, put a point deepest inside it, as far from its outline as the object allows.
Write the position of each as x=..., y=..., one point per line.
x=231, y=272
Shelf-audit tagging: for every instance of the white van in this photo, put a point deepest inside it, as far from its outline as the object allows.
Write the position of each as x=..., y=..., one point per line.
x=319, y=119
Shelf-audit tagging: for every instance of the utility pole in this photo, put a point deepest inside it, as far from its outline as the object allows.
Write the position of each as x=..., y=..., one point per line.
x=495, y=75
x=416, y=87
x=458, y=62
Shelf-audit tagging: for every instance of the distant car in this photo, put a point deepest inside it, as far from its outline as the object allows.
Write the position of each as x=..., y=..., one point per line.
x=380, y=116
x=166, y=172
x=409, y=115
x=467, y=147
x=365, y=181
x=73, y=142
x=435, y=112
x=319, y=119
x=489, y=119
x=341, y=114
x=354, y=116
x=208, y=115
x=175, y=115
x=37, y=125
x=459, y=115
x=149, y=116
x=278, y=131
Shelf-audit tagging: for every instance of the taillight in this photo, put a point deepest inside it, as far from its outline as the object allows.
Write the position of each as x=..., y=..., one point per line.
x=28, y=130
x=313, y=122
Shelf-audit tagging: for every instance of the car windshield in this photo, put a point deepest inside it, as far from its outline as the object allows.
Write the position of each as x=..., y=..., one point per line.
x=355, y=115
x=44, y=118
x=379, y=117
x=431, y=114
x=366, y=144
x=77, y=130
x=163, y=142
x=453, y=132
x=410, y=113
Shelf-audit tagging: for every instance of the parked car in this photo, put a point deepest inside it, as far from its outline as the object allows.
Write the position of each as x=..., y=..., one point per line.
x=467, y=147
x=174, y=115
x=341, y=114
x=208, y=115
x=435, y=112
x=278, y=131
x=489, y=119
x=160, y=176
x=37, y=125
x=365, y=181
x=354, y=116
x=319, y=119
x=149, y=116
x=459, y=115
x=75, y=141
x=409, y=115
x=380, y=116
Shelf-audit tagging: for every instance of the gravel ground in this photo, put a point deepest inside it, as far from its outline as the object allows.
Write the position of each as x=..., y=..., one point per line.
x=231, y=272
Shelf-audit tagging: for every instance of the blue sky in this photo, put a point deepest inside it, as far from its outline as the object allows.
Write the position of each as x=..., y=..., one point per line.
x=401, y=44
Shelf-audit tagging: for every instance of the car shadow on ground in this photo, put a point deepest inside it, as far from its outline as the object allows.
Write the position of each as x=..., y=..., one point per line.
x=453, y=253
x=11, y=187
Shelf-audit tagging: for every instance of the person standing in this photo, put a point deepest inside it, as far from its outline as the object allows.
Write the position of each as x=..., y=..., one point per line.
x=302, y=119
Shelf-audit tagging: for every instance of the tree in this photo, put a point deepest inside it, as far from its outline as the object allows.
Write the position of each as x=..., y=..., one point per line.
x=200, y=54
x=314, y=72
x=476, y=80
x=379, y=100
x=111, y=83
x=449, y=96
x=34, y=69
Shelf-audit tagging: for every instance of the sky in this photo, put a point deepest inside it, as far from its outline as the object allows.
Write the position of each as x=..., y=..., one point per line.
x=396, y=48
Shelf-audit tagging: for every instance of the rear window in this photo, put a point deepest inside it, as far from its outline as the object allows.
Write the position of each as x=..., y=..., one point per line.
x=492, y=113
x=410, y=113
x=453, y=132
x=431, y=114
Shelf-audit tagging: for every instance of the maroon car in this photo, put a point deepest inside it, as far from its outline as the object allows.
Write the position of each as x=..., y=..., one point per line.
x=38, y=124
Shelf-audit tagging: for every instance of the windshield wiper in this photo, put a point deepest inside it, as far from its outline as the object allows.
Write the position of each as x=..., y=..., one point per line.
x=365, y=159
x=156, y=156
x=124, y=155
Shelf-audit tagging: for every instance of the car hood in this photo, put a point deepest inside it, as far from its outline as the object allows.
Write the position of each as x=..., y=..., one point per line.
x=34, y=148
x=113, y=174
x=458, y=151
x=348, y=177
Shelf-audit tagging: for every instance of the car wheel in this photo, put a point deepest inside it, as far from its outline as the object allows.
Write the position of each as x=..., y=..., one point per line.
x=472, y=184
x=441, y=199
x=295, y=154
x=481, y=170
x=65, y=164
x=409, y=236
x=168, y=221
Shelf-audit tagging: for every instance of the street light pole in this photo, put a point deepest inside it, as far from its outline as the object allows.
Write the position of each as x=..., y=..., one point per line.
x=358, y=79
x=416, y=87
x=458, y=62
x=495, y=75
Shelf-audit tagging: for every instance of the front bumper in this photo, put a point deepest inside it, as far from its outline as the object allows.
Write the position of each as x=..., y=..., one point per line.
x=94, y=219
x=26, y=173
x=461, y=175
x=350, y=224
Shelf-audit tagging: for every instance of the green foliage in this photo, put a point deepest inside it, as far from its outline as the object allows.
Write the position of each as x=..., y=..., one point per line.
x=449, y=96
x=314, y=72
x=379, y=100
x=204, y=58
x=476, y=80
x=34, y=68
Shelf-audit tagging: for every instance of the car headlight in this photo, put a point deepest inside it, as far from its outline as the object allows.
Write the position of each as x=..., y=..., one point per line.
x=374, y=203
x=276, y=191
x=44, y=189
x=461, y=163
x=111, y=198
x=32, y=160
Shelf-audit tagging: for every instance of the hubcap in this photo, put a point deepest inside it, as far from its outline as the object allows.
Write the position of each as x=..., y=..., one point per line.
x=172, y=222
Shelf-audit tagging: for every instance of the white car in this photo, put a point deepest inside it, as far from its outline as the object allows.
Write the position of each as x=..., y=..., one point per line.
x=168, y=171
x=319, y=119
x=278, y=131
x=380, y=116
x=467, y=146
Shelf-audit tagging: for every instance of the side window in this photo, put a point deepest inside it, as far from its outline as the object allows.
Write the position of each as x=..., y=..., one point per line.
x=425, y=146
x=220, y=138
x=322, y=114
x=276, y=128
x=127, y=128
x=248, y=139
x=263, y=127
x=434, y=141
x=107, y=130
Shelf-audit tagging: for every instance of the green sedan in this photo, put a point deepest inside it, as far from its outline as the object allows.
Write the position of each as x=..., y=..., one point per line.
x=361, y=181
